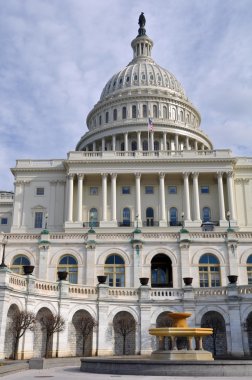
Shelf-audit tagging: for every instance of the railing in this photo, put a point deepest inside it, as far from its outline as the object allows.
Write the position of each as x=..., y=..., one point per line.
x=123, y=292
x=5, y=196
x=46, y=287
x=163, y=294
x=126, y=223
x=17, y=282
x=82, y=291
x=218, y=291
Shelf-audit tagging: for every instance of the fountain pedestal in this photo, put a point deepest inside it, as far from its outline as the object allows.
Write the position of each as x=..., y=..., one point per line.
x=180, y=329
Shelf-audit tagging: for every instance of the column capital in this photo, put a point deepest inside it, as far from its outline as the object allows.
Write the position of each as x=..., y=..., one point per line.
x=186, y=174
x=80, y=175
x=161, y=175
x=138, y=175
x=219, y=174
x=113, y=175
x=70, y=175
x=195, y=174
x=104, y=175
x=230, y=174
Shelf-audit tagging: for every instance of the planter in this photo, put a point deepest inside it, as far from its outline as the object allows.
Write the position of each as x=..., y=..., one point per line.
x=144, y=280
x=232, y=279
x=62, y=276
x=101, y=279
x=28, y=269
x=188, y=281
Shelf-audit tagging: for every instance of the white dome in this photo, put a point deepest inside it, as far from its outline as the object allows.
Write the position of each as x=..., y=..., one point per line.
x=142, y=73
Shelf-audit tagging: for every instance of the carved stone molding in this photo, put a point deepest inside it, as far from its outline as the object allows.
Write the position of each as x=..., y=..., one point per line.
x=195, y=174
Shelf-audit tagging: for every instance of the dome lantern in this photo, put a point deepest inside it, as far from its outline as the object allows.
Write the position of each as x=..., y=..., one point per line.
x=142, y=44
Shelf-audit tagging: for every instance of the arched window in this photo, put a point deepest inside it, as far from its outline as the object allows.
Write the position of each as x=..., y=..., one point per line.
x=114, y=269
x=181, y=115
x=18, y=262
x=209, y=271
x=93, y=217
x=144, y=110
x=173, y=114
x=124, y=113
x=149, y=217
x=161, y=271
x=69, y=264
x=107, y=117
x=206, y=214
x=126, y=216
x=100, y=120
x=249, y=269
x=145, y=145
x=134, y=112
x=134, y=145
x=164, y=112
x=156, y=145
x=173, y=216
x=115, y=114
x=155, y=111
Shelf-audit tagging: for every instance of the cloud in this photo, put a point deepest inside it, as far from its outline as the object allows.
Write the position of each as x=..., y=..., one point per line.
x=56, y=57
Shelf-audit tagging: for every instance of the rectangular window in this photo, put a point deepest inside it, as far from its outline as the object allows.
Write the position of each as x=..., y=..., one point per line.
x=38, y=219
x=93, y=190
x=4, y=220
x=149, y=190
x=40, y=191
x=126, y=190
x=204, y=189
x=172, y=189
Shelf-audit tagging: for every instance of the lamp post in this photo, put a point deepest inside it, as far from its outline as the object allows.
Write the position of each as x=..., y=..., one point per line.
x=228, y=218
x=4, y=242
x=137, y=221
x=46, y=220
x=182, y=217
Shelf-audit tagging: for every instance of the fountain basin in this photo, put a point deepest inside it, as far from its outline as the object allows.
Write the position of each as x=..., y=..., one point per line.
x=182, y=332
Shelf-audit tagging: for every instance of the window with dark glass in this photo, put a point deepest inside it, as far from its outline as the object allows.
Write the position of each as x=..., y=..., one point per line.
x=126, y=216
x=206, y=214
x=145, y=145
x=172, y=189
x=144, y=110
x=156, y=145
x=155, y=111
x=125, y=189
x=93, y=217
x=161, y=272
x=134, y=145
x=149, y=217
x=204, y=189
x=38, y=219
x=69, y=264
x=115, y=114
x=134, y=112
x=209, y=271
x=40, y=191
x=18, y=262
x=93, y=190
x=4, y=221
x=100, y=120
x=107, y=117
x=124, y=113
x=149, y=190
x=114, y=269
x=249, y=269
x=173, y=216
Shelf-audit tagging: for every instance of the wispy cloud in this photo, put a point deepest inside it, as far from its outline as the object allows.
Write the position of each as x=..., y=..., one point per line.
x=56, y=57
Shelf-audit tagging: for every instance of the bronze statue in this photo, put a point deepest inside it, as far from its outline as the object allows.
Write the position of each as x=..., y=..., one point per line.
x=141, y=20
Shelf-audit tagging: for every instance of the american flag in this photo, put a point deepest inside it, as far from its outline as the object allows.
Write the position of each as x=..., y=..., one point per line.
x=150, y=125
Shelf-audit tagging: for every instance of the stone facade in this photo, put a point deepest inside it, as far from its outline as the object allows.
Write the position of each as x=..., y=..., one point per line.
x=139, y=198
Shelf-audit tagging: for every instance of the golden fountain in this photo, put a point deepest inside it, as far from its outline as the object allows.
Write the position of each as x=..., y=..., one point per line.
x=180, y=329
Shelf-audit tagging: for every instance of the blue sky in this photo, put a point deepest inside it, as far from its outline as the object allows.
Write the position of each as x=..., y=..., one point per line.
x=57, y=55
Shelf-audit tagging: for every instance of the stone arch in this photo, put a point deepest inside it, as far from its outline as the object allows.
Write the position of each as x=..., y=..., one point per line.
x=161, y=310
x=124, y=329
x=62, y=252
x=9, y=333
x=39, y=346
x=161, y=271
x=244, y=256
x=116, y=251
x=205, y=309
x=212, y=251
x=217, y=342
x=10, y=255
x=81, y=333
x=159, y=250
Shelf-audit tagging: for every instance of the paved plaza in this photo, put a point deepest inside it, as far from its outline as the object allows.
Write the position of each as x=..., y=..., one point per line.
x=70, y=373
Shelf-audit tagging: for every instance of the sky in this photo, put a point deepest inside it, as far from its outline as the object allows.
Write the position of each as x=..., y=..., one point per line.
x=57, y=55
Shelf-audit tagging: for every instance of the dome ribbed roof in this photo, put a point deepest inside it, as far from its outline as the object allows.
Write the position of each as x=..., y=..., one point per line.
x=142, y=74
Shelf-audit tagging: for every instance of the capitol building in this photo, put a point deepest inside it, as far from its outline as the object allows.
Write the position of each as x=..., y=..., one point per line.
x=145, y=200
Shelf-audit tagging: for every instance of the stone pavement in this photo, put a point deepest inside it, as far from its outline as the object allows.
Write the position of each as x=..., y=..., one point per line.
x=72, y=373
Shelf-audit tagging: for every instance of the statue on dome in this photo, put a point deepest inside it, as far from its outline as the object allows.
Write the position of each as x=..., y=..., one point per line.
x=141, y=23
x=141, y=20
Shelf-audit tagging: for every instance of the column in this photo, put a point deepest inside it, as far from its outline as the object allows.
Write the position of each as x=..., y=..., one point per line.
x=196, y=145
x=79, y=197
x=152, y=140
x=94, y=146
x=176, y=142
x=103, y=144
x=114, y=142
x=187, y=197
x=230, y=190
x=104, y=196
x=221, y=197
x=164, y=141
x=126, y=145
x=113, y=196
x=139, y=145
x=187, y=143
x=138, y=198
x=70, y=179
x=196, y=196
x=162, y=220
